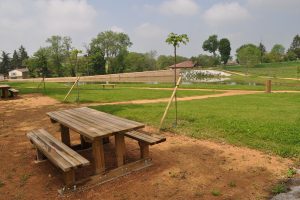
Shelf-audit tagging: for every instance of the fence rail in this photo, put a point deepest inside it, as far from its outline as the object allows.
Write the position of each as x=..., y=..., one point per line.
x=147, y=76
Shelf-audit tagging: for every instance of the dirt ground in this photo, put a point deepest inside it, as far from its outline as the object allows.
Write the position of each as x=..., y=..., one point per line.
x=184, y=168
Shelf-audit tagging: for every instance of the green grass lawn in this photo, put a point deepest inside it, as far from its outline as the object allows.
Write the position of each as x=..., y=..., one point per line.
x=95, y=93
x=283, y=70
x=268, y=122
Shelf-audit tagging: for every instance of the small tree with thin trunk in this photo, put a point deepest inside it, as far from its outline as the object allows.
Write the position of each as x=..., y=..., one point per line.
x=175, y=40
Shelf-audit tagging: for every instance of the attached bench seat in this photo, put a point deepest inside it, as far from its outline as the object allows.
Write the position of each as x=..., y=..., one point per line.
x=145, y=139
x=58, y=153
x=13, y=92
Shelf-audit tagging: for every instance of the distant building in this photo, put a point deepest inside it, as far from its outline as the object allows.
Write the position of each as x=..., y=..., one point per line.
x=18, y=73
x=184, y=65
x=1, y=77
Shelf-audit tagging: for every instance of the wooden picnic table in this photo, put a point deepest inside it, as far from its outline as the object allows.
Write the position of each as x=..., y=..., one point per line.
x=95, y=126
x=4, y=89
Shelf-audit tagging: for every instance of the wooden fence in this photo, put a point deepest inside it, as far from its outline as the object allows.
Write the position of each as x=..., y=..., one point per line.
x=147, y=76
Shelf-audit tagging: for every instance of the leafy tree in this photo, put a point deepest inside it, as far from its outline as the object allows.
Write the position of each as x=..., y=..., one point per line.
x=23, y=55
x=248, y=55
x=224, y=49
x=278, y=49
x=290, y=56
x=175, y=40
x=5, y=63
x=109, y=45
x=38, y=65
x=140, y=62
x=15, y=61
x=211, y=44
x=59, y=51
x=295, y=46
x=72, y=63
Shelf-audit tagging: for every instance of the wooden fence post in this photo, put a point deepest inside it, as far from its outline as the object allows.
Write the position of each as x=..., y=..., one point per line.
x=268, y=86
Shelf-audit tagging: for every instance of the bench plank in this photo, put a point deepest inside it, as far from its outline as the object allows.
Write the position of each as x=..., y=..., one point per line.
x=145, y=137
x=60, y=154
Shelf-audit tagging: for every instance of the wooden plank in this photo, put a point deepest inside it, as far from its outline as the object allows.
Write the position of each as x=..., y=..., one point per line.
x=142, y=136
x=60, y=154
x=120, y=149
x=71, y=124
x=65, y=135
x=98, y=154
x=81, y=160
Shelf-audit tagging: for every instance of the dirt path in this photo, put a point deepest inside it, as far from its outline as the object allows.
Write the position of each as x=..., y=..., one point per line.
x=184, y=168
x=227, y=93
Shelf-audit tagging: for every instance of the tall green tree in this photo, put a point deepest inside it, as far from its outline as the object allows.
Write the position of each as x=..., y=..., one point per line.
x=263, y=51
x=175, y=40
x=211, y=44
x=59, y=52
x=15, y=61
x=109, y=45
x=224, y=49
x=23, y=55
x=38, y=64
x=295, y=46
x=5, y=63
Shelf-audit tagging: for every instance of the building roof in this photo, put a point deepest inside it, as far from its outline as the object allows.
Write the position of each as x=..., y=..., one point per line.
x=21, y=69
x=185, y=64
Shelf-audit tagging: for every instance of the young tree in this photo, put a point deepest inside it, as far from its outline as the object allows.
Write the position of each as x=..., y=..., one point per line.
x=211, y=44
x=295, y=46
x=109, y=45
x=224, y=49
x=175, y=40
x=5, y=63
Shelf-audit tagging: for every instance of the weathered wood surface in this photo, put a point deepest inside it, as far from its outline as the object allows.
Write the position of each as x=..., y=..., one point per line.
x=4, y=89
x=145, y=137
x=92, y=123
x=58, y=153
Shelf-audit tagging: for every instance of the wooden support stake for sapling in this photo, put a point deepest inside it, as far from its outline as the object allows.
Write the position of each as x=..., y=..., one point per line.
x=169, y=103
x=77, y=79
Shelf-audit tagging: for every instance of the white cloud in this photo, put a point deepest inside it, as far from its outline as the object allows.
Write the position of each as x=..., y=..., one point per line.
x=275, y=4
x=30, y=22
x=226, y=13
x=147, y=30
x=179, y=7
x=117, y=29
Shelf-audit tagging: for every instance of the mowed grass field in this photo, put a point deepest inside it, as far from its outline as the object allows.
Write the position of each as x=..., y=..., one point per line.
x=89, y=93
x=280, y=70
x=268, y=122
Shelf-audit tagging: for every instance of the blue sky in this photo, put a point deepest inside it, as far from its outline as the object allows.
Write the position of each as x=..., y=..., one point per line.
x=30, y=22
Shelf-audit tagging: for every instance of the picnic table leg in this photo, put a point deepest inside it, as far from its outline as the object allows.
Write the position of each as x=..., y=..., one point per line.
x=65, y=135
x=144, y=147
x=84, y=144
x=98, y=154
x=120, y=149
x=4, y=93
x=69, y=177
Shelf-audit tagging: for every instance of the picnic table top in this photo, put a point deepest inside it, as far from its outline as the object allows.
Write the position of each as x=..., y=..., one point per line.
x=92, y=123
x=4, y=86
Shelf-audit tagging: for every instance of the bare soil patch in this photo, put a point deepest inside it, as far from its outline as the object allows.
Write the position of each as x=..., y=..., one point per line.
x=184, y=168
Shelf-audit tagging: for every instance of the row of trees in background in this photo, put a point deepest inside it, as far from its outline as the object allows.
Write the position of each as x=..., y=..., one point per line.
x=108, y=53
x=250, y=54
x=7, y=63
